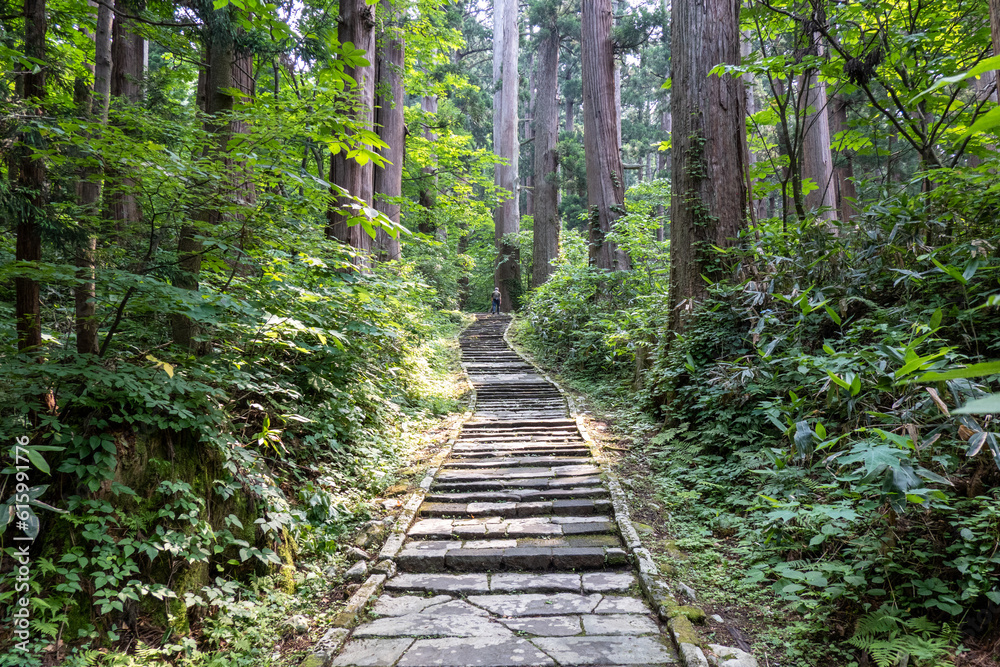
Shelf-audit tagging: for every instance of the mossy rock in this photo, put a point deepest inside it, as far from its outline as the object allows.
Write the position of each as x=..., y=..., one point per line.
x=684, y=632
x=693, y=614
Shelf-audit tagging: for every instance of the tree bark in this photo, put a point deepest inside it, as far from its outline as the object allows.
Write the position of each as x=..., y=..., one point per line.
x=391, y=129
x=427, y=193
x=127, y=49
x=505, y=144
x=529, y=134
x=843, y=173
x=31, y=181
x=817, y=159
x=545, y=240
x=605, y=177
x=356, y=25
x=709, y=200
x=662, y=160
x=85, y=294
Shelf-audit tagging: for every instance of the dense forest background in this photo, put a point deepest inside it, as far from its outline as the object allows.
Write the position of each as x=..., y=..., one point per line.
x=239, y=235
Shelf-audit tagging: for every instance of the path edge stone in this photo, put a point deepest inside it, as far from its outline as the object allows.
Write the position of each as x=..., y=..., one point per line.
x=682, y=632
x=324, y=651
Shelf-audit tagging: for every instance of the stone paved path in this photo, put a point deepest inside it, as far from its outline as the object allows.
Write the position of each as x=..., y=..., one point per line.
x=514, y=557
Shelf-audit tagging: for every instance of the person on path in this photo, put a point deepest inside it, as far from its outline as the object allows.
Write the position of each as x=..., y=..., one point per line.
x=495, y=308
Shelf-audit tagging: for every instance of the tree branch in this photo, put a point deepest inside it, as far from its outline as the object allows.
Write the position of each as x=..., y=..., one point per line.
x=133, y=17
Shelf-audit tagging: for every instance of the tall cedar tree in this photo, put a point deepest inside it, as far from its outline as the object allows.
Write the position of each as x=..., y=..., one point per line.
x=391, y=127
x=356, y=24
x=709, y=202
x=817, y=158
x=31, y=181
x=94, y=108
x=224, y=71
x=127, y=57
x=505, y=144
x=545, y=243
x=601, y=135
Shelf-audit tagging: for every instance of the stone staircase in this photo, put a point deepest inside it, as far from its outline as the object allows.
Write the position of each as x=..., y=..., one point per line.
x=514, y=556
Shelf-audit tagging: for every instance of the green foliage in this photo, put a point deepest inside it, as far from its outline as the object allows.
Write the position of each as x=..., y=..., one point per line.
x=892, y=640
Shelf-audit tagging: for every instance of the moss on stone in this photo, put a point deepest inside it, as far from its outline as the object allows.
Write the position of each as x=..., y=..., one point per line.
x=683, y=631
x=693, y=614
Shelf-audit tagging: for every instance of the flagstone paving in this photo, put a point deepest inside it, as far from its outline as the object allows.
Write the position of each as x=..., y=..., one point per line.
x=514, y=558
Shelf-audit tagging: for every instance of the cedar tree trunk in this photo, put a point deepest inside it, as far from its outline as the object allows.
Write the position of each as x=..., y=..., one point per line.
x=391, y=129
x=505, y=144
x=605, y=177
x=356, y=25
x=709, y=198
x=546, y=200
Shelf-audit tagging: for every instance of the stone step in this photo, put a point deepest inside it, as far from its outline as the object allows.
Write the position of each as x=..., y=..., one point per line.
x=514, y=442
x=494, y=426
x=499, y=527
x=560, y=507
x=467, y=454
x=519, y=461
x=504, y=582
x=567, y=553
x=518, y=495
x=524, y=483
x=514, y=474
x=526, y=433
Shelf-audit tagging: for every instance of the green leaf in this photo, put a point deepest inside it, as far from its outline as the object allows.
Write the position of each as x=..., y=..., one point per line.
x=987, y=121
x=951, y=271
x=936, y=318
x=833, y=316
x=982, y=67
x=973, y=371
x=981, y=406
x=839, y=382
x=37, y=460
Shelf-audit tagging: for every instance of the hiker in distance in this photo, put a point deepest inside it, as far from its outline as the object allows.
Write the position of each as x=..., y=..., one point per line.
x=495, y=308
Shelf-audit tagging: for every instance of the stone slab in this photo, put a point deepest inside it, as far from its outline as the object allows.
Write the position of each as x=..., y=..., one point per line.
x=443, y=583
x=429, y=625
x=537, y=604
x=473, y=560
x=390, y=605
x=607, y=582
x=535, y=583
x=575, y=558
x=371, y=652
x=580, y=519
x=619, y=624
x=621, y=605
x=588, y=528
x=474, y=652
x=527, y=558
x=492, y=509
x=607, y=650
x=545, y=626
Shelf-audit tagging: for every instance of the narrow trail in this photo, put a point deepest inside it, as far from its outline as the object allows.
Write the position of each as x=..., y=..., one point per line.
x=514, y=557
